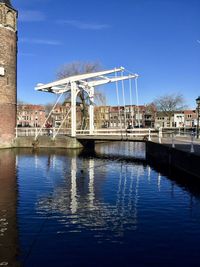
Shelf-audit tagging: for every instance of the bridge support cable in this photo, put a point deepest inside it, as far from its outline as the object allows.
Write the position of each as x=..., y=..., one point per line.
x=136, y=93
x=124, y=102
x=137, y=102
x=131, y=99
x=44, y=124
x=117, y=92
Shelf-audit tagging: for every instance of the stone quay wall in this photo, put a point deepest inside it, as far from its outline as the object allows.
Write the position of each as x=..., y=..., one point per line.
x=167, y=156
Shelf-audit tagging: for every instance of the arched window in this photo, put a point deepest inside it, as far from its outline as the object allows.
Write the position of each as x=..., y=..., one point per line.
x=10, y=19
x=1, y=17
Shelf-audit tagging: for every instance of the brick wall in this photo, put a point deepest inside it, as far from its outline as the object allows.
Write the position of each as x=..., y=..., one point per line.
x=8, y=51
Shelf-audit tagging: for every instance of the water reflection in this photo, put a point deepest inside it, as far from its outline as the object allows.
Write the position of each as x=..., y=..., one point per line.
x=80, y=199
x=72, y=208
x=127, y=150
x=8, y=209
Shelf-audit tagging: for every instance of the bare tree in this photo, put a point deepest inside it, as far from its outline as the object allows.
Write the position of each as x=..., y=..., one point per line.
x=48, y=108
x=75, y=68
x=169, y=103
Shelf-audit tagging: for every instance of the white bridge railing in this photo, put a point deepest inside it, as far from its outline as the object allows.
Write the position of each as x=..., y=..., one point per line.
x=137, y=132
x=140, y=132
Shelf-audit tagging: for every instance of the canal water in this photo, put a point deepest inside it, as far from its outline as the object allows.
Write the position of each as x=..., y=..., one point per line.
x=68, y=208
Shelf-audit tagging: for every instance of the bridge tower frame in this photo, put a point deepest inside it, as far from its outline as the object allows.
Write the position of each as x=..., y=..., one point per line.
x=86, y=82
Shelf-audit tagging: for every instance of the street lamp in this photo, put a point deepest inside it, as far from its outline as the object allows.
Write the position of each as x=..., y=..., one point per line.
x=198, y=113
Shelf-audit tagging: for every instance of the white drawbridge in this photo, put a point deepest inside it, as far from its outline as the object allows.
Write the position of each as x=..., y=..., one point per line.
x=86, y=82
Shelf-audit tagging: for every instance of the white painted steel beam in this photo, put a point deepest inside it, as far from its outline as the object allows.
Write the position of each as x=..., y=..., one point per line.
x=79, y=82
x=110, y=80
x=67, y=81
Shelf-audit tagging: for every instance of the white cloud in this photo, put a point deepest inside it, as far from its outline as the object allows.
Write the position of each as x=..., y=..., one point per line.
x=31, y=16
x=39, y=41
x=84, y=26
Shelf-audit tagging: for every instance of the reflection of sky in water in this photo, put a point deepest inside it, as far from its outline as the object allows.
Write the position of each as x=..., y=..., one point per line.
x=75, y=209
x=90, y=199
x=124, y=149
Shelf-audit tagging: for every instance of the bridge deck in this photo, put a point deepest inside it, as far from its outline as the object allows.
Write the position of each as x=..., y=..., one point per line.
x=112, y=138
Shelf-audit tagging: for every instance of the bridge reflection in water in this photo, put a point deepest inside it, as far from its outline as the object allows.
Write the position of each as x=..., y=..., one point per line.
x=81, y=199
x=64, y=208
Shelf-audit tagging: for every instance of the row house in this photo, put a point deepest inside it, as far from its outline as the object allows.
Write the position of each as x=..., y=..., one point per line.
x=178, y=119
x=161, y=120
x=124, y=116
x=190, y=118
x=101, y=116
x=61, y=116
x=30, y=115
x=104, y=117
x=36, y=115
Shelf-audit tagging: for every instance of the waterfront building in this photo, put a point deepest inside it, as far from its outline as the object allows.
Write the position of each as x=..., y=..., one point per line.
x=59, y=114
x=143, y=116
x=8, y=66
x=162, y=120
x=183, y=118
x=116, y=117
x=149, y=116
x=30, y=115
x=128, y=116
x=102, y=116
x=190, y=117
x=179, y=119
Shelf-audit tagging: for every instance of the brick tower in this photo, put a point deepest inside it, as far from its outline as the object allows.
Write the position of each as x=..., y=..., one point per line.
x=8, y=71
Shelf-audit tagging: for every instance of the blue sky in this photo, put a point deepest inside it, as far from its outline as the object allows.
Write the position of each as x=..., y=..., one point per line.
x=158, y=39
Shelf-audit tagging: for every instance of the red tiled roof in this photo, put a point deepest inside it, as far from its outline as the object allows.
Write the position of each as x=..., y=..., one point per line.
x=189, y=111
x=31, y=107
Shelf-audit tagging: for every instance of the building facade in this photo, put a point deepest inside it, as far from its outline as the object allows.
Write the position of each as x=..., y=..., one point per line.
x=190, y=118
x=8, y=62
x=179, y=119
x=30, y=115
x=113, y=117
x=60, y=116
x=129, y=116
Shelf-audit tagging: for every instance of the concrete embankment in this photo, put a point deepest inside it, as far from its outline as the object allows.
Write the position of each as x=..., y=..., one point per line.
x=46, y=141
x=174, y=158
